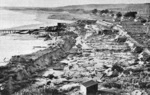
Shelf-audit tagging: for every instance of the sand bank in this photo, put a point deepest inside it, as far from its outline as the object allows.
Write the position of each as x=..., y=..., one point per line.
x=15, y=44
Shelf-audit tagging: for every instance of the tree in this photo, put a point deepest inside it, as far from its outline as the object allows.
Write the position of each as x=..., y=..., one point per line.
x=130, y=14
x=112, y=15
x=118, y=14
x=104, y=11
x=94, y=11
x=143, y=20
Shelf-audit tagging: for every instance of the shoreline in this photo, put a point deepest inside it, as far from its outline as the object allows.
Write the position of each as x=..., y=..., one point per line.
x=41, y=17
x=114, y=57
x=104, y=49
x=37, y=26
x=44, y=58
x=20, y=44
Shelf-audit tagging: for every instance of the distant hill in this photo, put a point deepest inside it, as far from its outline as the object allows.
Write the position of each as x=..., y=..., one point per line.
x=95, y=6
x=140, y=8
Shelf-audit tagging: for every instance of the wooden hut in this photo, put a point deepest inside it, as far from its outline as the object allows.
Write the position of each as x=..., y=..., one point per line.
x=89, y=88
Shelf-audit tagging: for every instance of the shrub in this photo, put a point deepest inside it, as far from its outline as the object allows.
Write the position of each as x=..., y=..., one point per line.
x=130, y=14
x=119, y=14
x=104, y=11
x=94, y=11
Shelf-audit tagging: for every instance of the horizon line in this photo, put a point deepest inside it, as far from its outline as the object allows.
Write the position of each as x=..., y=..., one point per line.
x=69, y=5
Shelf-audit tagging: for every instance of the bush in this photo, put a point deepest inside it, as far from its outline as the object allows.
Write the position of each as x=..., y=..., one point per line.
x=104, y=11
x=94, y=11
x=119, y=14
x=143, y=20
x=130, y=14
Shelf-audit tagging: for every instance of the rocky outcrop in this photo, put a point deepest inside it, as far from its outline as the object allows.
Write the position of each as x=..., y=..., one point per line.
x=22, y=69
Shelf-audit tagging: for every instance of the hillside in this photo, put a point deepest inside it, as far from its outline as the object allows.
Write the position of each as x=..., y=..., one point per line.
x=140, y=8
x=93, y=6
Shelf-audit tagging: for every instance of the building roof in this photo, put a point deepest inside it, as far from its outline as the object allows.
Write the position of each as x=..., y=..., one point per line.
x=89, y=83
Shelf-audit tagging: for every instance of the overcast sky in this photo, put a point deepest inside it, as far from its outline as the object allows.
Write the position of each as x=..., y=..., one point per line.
x=56, y=3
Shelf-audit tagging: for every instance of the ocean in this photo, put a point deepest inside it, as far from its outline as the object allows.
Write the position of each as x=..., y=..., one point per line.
x=15, y=44
x=9, y=19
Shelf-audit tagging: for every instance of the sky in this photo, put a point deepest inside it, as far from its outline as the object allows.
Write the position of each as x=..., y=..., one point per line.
x=56, y=3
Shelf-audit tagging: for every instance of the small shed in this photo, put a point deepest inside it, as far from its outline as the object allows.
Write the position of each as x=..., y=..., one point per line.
x=89, y=88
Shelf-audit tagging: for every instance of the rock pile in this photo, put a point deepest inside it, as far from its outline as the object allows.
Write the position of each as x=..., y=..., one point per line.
x=23, y=69
x=112, y=59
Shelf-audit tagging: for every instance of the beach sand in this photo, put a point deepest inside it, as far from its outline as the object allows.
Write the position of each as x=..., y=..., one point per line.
x=15, y=44
x=41, y=17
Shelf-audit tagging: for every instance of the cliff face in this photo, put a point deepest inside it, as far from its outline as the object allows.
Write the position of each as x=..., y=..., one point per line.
x=26, y=67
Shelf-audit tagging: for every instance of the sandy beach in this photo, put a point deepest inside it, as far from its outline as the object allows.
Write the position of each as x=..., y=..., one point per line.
x=15, y=44
x=42, y=18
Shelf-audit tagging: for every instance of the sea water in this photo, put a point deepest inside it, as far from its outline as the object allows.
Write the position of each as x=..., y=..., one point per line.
x=15, y=44
x=9, y=19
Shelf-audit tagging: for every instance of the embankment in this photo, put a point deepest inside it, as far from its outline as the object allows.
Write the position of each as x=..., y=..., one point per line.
x=23, y=69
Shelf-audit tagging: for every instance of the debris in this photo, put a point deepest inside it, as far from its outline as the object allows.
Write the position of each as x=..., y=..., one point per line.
x=68, y=87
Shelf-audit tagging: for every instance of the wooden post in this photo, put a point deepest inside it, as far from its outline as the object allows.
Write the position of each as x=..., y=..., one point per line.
x=148, y=30
x=10, y=87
